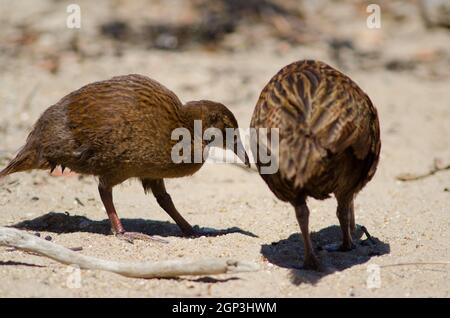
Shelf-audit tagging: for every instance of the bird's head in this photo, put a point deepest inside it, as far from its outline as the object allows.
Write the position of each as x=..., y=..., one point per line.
x=217, y=118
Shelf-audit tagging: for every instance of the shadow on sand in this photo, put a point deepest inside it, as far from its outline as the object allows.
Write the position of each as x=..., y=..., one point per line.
x=289, y=253
x=58, y=222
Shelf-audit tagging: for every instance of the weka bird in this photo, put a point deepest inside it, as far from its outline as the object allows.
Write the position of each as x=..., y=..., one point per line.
x=119, y=129
x=329, y=142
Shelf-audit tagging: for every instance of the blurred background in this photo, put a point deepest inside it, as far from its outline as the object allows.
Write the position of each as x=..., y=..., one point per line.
x=227, y=50
x=224, y=50
x=151, y=37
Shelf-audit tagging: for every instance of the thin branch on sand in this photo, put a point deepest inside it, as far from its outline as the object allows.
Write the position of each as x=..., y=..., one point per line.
x=173, y=268
x=438, y=166
x=416, y=264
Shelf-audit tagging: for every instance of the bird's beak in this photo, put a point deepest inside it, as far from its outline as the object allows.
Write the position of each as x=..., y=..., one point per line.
x=246, y=160
x=240, y=152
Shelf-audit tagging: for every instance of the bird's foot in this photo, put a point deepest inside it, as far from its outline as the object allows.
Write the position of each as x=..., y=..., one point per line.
x=369, y=237
x=207, y=231
x=345, y=247
x=189, y=231
x=336, y=247
x=198, y=231
x=130, y=237
x=369, y=241
x=311, y=263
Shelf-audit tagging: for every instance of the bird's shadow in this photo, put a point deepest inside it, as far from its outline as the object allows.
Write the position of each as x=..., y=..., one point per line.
x=288, y=253
x=59, y=222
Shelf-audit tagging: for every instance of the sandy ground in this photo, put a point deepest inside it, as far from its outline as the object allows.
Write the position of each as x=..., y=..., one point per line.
x=410, y=220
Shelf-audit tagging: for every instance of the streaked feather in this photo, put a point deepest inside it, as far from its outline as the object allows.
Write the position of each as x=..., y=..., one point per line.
x=329, y=131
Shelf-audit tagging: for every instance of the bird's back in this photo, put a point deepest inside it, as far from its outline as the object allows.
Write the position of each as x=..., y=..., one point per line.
x=124, y=121
x=328, y=131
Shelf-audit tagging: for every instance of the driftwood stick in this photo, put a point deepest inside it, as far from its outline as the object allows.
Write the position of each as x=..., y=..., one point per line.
x=172, y=268
x=417, y=264
x=437, y=166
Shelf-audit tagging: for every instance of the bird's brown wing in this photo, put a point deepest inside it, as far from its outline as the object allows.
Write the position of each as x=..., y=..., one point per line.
x=320, y=113
x=122, y=120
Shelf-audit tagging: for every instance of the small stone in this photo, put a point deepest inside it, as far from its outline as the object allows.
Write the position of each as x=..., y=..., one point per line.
x=48, y=238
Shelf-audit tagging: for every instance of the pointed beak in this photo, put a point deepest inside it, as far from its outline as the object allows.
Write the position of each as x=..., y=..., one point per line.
x=240, y=152
x=245, y=160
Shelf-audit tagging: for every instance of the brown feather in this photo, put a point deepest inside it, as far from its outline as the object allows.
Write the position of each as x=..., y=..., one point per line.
x=122, y=128
x=118, y=129
x=329, y=131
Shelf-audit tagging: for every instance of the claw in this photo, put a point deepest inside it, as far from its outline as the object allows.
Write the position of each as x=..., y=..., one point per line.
x=336, y=247
x=369, y=237
x=131, y=236
x=311, y=263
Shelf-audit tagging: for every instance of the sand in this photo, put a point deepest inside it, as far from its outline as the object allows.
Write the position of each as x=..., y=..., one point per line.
x=410, y=220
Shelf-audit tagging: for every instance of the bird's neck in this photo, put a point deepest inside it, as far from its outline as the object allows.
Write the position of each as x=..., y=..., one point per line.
x=194, y=115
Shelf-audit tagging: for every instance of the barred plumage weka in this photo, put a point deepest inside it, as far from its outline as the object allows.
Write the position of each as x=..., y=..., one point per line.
x=329, y=142
x=119, y=129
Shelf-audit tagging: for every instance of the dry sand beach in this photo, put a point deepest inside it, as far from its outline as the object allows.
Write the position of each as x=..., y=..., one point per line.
x=403, y=66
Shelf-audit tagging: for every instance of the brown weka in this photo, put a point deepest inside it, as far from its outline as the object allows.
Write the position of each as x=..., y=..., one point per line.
x=329, y=142
x=119, y=129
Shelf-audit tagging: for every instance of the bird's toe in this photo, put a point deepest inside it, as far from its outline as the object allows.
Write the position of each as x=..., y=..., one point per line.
x=130, y=237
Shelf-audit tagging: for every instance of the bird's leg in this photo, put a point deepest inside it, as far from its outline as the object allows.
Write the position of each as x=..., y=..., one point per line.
x=302, y=214
x=352, y=218
x=116, y=225
x=352, y=224
x=345, y=215
x=107, y=199
x=165, y=202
